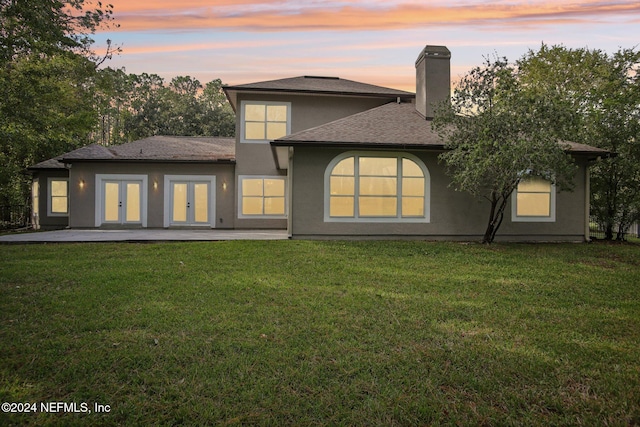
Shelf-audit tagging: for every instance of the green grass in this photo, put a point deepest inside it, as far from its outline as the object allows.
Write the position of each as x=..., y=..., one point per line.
x=322, y=333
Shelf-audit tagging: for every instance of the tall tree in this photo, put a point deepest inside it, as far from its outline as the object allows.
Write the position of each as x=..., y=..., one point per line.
x=50, y=27
x=600, y=98
x=137, y=106
x=184, y=113
x=219, y=118
x=47, y=71
x=498, y=134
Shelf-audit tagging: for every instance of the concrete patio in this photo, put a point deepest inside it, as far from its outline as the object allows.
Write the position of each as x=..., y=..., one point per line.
x=140, y=235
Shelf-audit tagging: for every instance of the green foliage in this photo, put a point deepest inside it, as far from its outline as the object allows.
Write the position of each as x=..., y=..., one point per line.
x=497, y=132
x=53, y=97
x=599, y=99
x=322, y=333
x=47, y=109
x=47, y=75
x=49, y=27
x=137, y=106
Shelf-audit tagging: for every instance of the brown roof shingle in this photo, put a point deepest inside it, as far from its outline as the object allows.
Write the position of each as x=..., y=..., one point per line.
x=391, y=125
x=49, y=164
x=318, y=85
x=159, y=148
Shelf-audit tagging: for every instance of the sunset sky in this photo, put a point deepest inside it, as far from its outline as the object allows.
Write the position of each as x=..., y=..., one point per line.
x=372, y=41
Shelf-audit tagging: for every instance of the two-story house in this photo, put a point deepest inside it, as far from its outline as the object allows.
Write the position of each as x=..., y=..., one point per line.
x=322, y=157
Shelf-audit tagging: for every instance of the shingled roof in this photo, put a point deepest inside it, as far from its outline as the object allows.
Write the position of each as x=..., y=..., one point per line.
x=391, y=125
x=159, y=149
x=50, y=164
x=317, y=85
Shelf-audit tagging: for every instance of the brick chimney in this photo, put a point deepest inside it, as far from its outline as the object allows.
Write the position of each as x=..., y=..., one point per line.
x=433, y=79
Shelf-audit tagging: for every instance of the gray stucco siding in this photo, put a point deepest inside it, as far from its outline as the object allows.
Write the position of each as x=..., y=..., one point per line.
x=307, y=111
x=83, y=200
x=45, y=220
x=453, y=215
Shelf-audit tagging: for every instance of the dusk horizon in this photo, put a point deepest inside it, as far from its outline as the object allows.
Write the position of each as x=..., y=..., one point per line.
x=374, y=42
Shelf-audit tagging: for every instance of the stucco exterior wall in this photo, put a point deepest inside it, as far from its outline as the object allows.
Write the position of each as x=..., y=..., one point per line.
x=453, y=215
x=307, y=111
x=83, y=200
x=46, y=221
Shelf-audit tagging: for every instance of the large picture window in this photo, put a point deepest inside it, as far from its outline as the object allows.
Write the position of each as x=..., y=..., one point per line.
x=262, y=197
x=533, y=200
x=264, y=121
x=376, y=187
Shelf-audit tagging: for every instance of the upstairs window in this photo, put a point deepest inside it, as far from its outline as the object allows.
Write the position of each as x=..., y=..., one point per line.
x=264, y=121
x=534, y=200
x=377, y=187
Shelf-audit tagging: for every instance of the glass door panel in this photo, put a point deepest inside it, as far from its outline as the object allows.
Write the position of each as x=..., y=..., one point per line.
x=179, y=201
x=200, y=202
x=112, y=202
x=133, y=202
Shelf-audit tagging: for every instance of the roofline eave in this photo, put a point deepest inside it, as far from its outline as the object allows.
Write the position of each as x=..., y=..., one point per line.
x=386, y=145
x=218, y=161
x=231, y=93
x=361, y=145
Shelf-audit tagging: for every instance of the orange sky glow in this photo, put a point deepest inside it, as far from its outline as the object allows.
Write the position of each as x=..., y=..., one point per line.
x=371, y=41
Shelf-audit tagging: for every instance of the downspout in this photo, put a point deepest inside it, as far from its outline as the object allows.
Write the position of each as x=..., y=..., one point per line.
x=587, y=202
x=290, y=194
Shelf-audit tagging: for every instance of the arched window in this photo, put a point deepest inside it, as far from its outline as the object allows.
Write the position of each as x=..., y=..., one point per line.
x=377, y=187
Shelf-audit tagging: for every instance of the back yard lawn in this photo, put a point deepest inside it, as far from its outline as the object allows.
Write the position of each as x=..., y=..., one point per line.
x=320, y=333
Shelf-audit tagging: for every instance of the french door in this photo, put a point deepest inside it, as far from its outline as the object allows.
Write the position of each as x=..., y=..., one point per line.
x=122, y=202
x=121, y=199
x=190, y=201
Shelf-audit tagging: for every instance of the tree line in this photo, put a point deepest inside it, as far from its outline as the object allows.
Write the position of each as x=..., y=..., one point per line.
x=134, y=106
x=56, y=97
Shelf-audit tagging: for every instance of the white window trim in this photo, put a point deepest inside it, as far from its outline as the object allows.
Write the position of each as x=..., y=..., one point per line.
x=242, y=126
x=210, y=179
x=100, y=178
x=397, y=219
x=263, y=216
x=519, y=218
x=50, y=196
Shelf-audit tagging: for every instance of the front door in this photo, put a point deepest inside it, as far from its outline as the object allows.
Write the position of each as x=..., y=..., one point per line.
x=122, y=202
x=190, y=203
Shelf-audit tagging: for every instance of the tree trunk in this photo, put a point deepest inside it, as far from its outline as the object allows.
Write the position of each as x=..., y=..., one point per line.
x=608, y=232
x=496, y=215
x=486, y=239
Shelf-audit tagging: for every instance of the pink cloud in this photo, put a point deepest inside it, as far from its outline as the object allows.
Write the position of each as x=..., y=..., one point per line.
x=353, y=15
